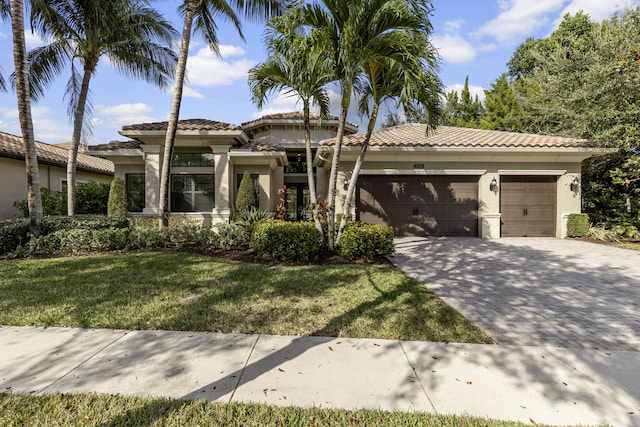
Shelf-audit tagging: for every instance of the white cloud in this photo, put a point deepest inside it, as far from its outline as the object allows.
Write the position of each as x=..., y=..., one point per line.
x=474, y=90
x=48, y=126
x=598, y=10
x=112, y=117
x=189, y=92
x=518, y=19
x=33, y=40
x=206, y=69
x=282, y=103
x=454, y=48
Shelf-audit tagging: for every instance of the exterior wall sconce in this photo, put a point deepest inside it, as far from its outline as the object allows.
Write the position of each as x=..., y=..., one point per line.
x=494, y=185
x=346, y=184
x=575, y=185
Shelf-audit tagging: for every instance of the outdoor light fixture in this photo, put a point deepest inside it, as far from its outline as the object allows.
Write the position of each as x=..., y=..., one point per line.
x=494, y=185
x=346, y=184
x=575, y=185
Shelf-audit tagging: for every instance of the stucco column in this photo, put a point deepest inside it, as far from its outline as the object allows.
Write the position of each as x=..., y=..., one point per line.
x=222, y=209
x=152, y=165
x=278, y=183
x=489, y=205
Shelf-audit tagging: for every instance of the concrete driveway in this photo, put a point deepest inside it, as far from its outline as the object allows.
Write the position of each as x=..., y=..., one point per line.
x=534, y=291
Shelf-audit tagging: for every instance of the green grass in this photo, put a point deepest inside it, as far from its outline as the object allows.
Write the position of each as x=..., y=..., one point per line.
x=629, y=245
x=107, y=410
x=183, y=291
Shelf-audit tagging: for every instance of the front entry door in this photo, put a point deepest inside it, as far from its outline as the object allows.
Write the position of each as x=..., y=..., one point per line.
x=299, y=206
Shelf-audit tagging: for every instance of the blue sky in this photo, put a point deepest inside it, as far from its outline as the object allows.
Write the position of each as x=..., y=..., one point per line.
x=473, y=37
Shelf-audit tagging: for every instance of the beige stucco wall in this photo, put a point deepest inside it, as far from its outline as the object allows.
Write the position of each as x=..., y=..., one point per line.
x=14, y=178
x=265, y=179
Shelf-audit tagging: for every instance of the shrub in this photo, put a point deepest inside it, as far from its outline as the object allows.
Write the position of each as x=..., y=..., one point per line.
x=91, y=198
x=366, y=240
x=284, y=241
x=250, y=217
x=247, y=197
x=229, y=236
x=93, y=222
x=13, y=233
x=601, y=233
x=148, y=238
x=117, y=207
x=577, y=225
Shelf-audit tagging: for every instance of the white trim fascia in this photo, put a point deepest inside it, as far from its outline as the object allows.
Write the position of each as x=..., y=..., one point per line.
x=135, y=134
x=128, y=152
x=472, y=172
x=546, y=172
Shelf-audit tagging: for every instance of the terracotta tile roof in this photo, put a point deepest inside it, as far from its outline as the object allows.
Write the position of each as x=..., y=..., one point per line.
x=189, y=124
x=258, y=146
x=415, y=135
x=12, y=146
x=293, y=115
x=117, y=145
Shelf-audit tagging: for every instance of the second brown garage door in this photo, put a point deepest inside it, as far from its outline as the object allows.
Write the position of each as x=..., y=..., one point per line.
x=432, y=205
x=528, y=206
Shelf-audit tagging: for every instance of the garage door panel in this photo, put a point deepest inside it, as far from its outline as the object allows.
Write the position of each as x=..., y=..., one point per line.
x=528, y=206
x=420, y=205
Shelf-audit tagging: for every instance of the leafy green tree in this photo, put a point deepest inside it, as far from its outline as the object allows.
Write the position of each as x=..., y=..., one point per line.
x=130, y=34
x=117, y=206
x=294, y=67
x=463, y=110
x=34, y=199
x=502, y=107
x=247, y=197
x=199, y=16
x=351, y=34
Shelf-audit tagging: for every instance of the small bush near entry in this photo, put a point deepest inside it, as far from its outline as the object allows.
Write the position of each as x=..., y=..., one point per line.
x=13, y=233
x=286, y=241
x=117, y=206
x=247, y=197
x=578, y=225
x=366, y=240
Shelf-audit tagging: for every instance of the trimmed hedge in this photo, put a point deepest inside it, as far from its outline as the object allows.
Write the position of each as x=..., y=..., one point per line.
x=286, y=241
x=366, y=240
x=578, y=225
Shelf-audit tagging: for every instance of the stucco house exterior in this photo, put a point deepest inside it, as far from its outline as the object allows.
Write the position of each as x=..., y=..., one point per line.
x=52, y=167
x=447, y=182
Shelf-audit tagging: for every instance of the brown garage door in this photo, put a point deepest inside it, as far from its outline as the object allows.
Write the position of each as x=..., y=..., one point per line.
x=528, y=206
x=420, y=205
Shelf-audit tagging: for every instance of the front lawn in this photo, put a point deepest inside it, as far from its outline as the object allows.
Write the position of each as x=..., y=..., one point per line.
x=106, y=410
x=184, y=291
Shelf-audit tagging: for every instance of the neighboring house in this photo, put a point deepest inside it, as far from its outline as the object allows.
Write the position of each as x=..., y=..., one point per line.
x=447, y=182
x=52, y=167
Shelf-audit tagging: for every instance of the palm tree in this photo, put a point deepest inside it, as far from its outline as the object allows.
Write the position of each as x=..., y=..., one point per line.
x=356, y=32
x=199, y=16
x=134, y=38
x=24, y=112
x=417, y=89
x=294, y=68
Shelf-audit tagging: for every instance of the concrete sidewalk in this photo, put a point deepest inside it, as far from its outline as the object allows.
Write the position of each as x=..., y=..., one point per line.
x=544, y=384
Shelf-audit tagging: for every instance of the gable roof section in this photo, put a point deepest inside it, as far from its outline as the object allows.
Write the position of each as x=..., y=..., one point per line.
x=12, y=146
x=184, y=125
x=296, y=117
x=415, y=135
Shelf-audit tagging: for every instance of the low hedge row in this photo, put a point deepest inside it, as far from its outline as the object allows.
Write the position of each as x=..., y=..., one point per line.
x=367, y=241
x=286, y=241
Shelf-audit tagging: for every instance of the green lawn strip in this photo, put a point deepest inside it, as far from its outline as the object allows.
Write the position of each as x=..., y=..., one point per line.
x=183, y=291
x=629, y=245
x=109, y=410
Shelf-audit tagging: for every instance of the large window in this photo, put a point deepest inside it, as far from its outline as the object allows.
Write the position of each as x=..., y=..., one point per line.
x=192, y=193
x=193, y=160
x=134, y=183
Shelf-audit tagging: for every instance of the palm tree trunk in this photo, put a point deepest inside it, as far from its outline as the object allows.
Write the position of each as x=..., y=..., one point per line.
x=174, y=114
x=346, y=209
x=313, y=194
x=333, y=177
x=78, y=122
x=26, y=122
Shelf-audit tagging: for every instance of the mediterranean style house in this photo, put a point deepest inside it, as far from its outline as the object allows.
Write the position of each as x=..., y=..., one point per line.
x=52, y=167
x=444, y=182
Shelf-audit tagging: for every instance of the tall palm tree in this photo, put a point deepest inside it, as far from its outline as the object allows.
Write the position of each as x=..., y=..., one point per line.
x=355, y=32
x=415, y=88
x=294, y=68
x=24, y=112
x=134, y=37
x=199, y=16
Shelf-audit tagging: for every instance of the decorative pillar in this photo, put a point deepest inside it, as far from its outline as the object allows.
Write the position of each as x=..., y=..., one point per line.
x=152, y=168
x=222, y=210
